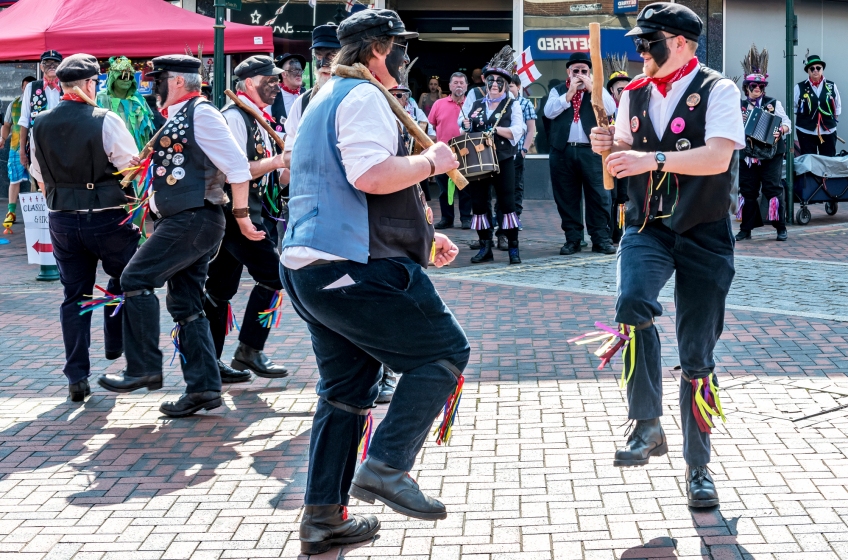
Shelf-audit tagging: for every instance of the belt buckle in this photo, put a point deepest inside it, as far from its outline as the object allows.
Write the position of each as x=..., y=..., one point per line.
x=89, y=186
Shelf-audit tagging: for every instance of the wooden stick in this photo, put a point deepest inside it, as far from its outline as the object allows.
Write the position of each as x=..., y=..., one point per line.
x=85, y=98
x=257, y=117
x=145, y=153
x=598, y=94
x=362, y=73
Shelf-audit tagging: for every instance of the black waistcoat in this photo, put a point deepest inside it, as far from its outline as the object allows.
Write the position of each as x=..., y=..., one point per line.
x=183, y=176
x=561, y=125
x=76, y=170
x=480, y=123
x=278, y=111
x=400, y=224
x=767, y=104
x=702, y=199
x=305, y=99
x=38, y=99
x=810, y=106
x=255, y=148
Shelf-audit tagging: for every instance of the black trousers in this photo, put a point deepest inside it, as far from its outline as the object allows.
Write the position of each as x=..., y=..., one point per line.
x=764, y=176
x=619, y=196
x=462, y=197
x=575, y=172
x=519, y=189
x=178, y=253
x=481, y=198
x=80, y=240
x=810, y=144
x=262, y=262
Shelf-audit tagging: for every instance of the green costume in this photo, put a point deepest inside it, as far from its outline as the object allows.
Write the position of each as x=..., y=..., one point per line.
x=121, y=97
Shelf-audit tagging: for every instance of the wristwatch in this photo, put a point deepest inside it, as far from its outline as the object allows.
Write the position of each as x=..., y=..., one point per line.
x=659, y=157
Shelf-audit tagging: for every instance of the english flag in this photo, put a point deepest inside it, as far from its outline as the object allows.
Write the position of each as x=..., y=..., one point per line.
x=349, y=5
x=526, y=69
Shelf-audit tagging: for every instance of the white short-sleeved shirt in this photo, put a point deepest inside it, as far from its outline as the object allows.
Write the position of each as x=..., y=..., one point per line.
x=53, y=98
x=557, y=104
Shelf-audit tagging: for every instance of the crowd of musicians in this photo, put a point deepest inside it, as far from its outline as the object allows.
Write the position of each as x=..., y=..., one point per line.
x=336, y=218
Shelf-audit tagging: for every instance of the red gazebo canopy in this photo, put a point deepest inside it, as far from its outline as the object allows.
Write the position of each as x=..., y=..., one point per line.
x=104, y=28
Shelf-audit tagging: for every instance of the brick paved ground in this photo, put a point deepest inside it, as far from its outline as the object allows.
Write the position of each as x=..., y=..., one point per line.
x=528, y=474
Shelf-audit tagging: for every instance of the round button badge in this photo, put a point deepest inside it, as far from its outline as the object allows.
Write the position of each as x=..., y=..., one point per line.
x=178, y=173
x=178, y=159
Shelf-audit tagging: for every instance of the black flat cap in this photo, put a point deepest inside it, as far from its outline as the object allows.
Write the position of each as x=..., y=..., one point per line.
x=665, y=16
x=579, y=58
x=181, y=63
x=51, y=55
x=373, y=23
x=78, y=67
x=259, y=65
x=326, y=37
x=282, y=59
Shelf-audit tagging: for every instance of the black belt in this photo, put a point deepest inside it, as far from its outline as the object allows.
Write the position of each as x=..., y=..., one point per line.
x=579, y=144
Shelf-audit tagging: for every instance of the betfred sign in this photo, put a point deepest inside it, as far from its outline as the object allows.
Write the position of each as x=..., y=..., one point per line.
x=559, y=44
x=625, y=6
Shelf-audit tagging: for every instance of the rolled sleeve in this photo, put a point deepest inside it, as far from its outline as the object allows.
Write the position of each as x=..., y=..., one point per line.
x=517, y=126
x=367, y=131
x=555, y=104
x=214, y=137
x=724, y=119
x=26, y=101
x=118, y=143
x=622, y=120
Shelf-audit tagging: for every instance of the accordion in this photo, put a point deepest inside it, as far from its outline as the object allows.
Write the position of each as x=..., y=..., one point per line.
x=760, y=127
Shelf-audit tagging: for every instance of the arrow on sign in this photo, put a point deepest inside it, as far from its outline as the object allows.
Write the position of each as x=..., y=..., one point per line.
x=42, y=247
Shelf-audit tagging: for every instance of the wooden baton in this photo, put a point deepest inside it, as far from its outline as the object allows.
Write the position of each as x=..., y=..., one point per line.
x=85, y=98
x=257, y=117
x=598, y=94
x=360, y=72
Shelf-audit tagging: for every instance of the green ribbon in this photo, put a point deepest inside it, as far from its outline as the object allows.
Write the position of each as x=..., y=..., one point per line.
x=451, y=190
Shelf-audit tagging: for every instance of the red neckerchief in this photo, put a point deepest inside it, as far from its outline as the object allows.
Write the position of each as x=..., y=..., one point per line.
x=576, y=100
x=291, y=91
x=185, y=97
x=817, y=84
x=264, y=114
x=662, y=84
x=73, y=97
x=53, y=84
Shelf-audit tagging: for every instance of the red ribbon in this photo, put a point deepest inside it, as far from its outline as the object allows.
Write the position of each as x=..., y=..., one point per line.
x=186, y=97
x=818, y=83
x=662, y=84
x=264, y=114
x=54, y=83
x=576, y=100
x=294, y=91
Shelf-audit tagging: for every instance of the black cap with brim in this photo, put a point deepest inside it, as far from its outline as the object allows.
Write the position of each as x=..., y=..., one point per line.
x=181, y=63
x=76, y=67
x=282, y=59
x=259, y=65
x=579, y=58
x=373, y=23
x=326, y=37
x=814, y=59
x=668, y=17
x=489, y=70
x=51, y=55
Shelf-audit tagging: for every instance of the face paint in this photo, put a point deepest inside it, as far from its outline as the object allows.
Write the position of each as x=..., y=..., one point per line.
x=121, y=87
x=324, y=57
x=160, y=88
x=659, y=50
x=268, y=88
x=396, y=60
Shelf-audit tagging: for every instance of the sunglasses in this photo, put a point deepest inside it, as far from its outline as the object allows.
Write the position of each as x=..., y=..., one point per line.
x=643, y=45
x=816, y=68
x=583, y=71
x=399, y=95
x=500, y=81
x=401, y=45
x=49, y=64
x=295, y=73
x=755, y=86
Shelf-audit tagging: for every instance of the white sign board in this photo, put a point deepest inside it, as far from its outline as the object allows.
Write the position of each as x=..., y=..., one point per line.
x=37, y=229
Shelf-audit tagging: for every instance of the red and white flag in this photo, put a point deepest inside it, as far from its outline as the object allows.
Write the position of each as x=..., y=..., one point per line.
x=526, y=68
x=349, y=4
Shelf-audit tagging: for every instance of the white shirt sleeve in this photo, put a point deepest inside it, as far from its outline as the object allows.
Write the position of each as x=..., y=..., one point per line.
x=724, y=119
x=236, y=124
x=34, y=167
x=8, y=118
x=292, y=122
x=556, y=104
x=622, y=120
x=217, y=142
x=838, y=110
x=518, y=127
x=466, y=110
x=25, y=103
x=366, y=129
x=796, y=96
x=609, y=104
x=784, y=118
x=118, y=143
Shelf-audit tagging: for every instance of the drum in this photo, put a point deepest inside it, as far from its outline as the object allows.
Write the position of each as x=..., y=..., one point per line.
x=476, y=154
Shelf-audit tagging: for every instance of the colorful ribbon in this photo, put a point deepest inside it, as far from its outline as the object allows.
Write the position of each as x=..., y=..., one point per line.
x=102, y=301
x=443, y=431
x=480, y=222
x=273, y=313
x=451, y=190
x=612, y=341
x=774, y=209
x=740, y=202
x=231, y=320
x=622, y=213
x=706, y=403
x=175, y=340
x=510, y=221
x=365, y=440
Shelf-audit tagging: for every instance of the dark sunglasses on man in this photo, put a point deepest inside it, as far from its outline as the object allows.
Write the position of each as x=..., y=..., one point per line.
x=816, y=68
x=399, y=95
x=581, y=71
x=643, y=44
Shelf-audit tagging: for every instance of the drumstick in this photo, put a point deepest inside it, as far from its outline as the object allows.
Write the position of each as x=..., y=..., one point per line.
x=85, y=98
x=361, y=72
x=598, y=94
x=257, y=117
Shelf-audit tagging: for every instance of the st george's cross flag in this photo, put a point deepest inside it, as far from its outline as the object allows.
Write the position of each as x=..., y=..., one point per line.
x=525, y=68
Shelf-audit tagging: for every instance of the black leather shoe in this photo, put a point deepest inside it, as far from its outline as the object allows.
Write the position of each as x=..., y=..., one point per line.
x=647, y=440
x=375, y=480
x=230, y=375
x=324, y=527
x=78, y=391
x=502, y=243
x=388, y=384
x=466, y=224
x=514, y=257
x=485, y=254
x=603, y=248
x=782, y=235
x=701, y=489
x=256, y=361
x=443, y=224
x=113, y=355
x=743, y=235
x=189, y=403
x=123, y=383
x=569, y=249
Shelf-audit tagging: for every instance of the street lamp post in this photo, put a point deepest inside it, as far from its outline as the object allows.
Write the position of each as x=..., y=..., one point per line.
x=791, y=41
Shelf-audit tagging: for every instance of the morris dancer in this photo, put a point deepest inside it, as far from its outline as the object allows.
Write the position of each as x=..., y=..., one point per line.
x=754, y=173
x=353, y=265
x=186, y=195
x=817, y=109
x=39, y=96
x=88, y=222
x=258, y=86
x=678, y=129
x=498, y=112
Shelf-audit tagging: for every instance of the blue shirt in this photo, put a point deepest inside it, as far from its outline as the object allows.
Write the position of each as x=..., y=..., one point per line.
x=528, y=113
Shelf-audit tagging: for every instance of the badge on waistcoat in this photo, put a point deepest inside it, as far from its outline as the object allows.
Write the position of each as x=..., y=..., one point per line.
x=677, y=125
x=171, y=180
x=160, y=171
x=634, y=124
x=178, y=173
x=683, y=144
x=692, y=101
x=164, y=141
x=178, y=159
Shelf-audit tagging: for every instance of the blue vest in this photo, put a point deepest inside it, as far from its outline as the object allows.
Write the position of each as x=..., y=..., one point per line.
x=326, y=212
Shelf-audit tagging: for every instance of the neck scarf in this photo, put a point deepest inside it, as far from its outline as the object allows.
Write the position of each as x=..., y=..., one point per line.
x=186, y=97
x=489, y=100
x=294, y=91
x=264, y=114
x=756, y=102
x=818, y=83
x=576, y=100
x=53, y=84
x=73, y=97
x=662, y=84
